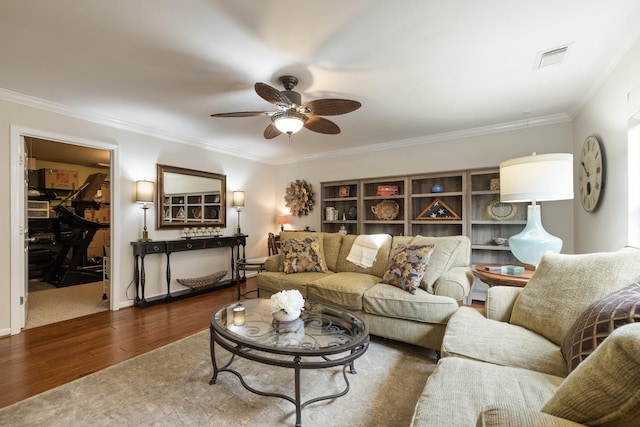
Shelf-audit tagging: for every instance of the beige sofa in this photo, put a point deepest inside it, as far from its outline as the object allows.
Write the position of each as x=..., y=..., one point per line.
x=509, y=365
x=390, y=312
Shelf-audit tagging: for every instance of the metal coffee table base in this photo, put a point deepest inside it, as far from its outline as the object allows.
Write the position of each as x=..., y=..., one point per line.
x=297, y=364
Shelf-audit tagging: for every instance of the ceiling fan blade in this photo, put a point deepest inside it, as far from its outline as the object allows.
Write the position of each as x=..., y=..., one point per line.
x=321, y=125
x=332, y=106
x=271, y=131
x=243, y=114
x=271, y=94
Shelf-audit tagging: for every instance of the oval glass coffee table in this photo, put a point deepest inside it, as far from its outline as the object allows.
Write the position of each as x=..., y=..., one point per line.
x=324, y=336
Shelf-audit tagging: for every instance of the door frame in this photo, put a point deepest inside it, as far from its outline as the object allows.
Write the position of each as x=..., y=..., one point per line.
x=19, y=217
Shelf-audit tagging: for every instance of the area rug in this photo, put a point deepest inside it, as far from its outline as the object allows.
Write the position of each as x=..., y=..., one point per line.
x=170, y=387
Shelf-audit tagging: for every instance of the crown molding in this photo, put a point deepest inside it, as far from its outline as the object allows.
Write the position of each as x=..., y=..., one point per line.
x=31, y=101
x=447, y=136
x=53, y=107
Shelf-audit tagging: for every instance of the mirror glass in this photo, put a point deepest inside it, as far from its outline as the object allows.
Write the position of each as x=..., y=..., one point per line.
x=190, y=198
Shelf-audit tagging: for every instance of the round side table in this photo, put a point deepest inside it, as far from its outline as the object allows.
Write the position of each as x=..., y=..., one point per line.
x=495, y=278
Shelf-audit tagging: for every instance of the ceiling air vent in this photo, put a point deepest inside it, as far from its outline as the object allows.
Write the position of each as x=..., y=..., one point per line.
x=555, y=56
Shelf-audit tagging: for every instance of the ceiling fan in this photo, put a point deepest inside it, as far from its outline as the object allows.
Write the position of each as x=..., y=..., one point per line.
x=292, y=115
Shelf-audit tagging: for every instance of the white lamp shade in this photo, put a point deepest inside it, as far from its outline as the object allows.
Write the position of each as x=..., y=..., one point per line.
x=537, y=178
x=144, y=191
x=237, y=199
x=286, y=124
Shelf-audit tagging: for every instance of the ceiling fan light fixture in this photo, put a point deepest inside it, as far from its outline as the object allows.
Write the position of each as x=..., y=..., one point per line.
x=289, y=122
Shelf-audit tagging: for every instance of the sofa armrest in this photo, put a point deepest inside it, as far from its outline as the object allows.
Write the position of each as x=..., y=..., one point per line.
x=454, y=283
x=503, y=415
x=274, y=263
x=499, y=303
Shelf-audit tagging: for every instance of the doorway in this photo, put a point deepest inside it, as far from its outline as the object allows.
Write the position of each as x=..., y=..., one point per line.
x=78, y=155
x=68, y=215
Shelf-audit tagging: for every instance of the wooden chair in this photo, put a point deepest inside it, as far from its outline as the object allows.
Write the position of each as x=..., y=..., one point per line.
x=273, y=244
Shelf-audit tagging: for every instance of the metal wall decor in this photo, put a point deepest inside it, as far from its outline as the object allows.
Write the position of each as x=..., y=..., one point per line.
x=299, y=198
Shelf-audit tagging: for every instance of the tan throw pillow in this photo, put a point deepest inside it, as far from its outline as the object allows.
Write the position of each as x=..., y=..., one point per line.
x=449, y=251
x=407, y=266
x=301, y=255
x=598, y=321
x=563, y=286
x=603, y=389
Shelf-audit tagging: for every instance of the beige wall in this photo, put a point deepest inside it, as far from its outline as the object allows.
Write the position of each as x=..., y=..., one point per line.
x=137, y=156
x=607, y=115
x=464, y=153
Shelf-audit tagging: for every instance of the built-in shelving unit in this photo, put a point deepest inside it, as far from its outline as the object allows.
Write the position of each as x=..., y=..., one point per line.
x=462, y=201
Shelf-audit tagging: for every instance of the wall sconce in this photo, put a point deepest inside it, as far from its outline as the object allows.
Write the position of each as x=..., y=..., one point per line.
x=144, y=195
x=533, y=179
x=281, y=220
x=237, y=201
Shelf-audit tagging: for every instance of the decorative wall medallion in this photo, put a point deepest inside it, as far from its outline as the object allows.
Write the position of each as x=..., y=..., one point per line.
x=299, y=198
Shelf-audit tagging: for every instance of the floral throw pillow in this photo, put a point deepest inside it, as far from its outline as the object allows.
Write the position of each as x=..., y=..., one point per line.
x=301, y=255
x=407, y=267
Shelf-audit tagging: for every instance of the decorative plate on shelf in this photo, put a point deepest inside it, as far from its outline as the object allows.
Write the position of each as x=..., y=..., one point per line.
x=501, y=211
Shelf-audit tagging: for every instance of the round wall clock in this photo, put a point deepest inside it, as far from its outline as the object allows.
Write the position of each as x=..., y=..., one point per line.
x=299, y=198
x=501, y=211
x=590, y=173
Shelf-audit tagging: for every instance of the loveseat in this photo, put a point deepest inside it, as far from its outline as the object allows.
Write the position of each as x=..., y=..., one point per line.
x=390, y=311
x=528, y=358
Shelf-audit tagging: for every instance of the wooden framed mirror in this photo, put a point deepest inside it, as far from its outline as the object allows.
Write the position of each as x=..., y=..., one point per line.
x=190, y=198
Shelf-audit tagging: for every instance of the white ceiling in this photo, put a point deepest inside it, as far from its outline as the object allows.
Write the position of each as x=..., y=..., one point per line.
x=423, y=70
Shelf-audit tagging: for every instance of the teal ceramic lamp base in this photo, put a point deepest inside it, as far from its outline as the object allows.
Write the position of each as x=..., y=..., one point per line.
x=534, y=241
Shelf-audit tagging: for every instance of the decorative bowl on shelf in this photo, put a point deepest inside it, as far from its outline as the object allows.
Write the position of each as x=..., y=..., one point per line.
x=386, y=210
x=501, y=241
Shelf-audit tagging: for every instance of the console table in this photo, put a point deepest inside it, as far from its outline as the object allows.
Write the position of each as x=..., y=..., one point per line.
x=142, y=249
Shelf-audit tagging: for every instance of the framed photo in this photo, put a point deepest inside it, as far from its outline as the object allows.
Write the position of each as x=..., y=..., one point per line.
x=344, y=191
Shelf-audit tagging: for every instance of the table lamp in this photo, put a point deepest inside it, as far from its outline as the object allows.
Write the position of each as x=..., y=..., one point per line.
x=144, y=195
x=281, y=220
x=237, y=201
x=536, y=178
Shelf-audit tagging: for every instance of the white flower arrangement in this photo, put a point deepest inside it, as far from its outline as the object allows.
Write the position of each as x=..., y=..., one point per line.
x=289, y=301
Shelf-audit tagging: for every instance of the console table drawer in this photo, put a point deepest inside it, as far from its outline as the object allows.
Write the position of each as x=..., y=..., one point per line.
x=187, y=245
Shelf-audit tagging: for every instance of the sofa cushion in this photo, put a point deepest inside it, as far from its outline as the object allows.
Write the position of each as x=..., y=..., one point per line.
x=459, y=389
x=344, y=289
x=379, y=266
x=503, y=415
x=471, y=335
x=390, y=301
x=279, y=281
x=300, y=255
x=407, y=266
x=449, y=251
x=563, y=286
x=603, y=389
x=331, y=243
x=598, y=321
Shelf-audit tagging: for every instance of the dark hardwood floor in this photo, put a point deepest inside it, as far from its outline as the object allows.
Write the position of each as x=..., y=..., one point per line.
x=45, y=357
